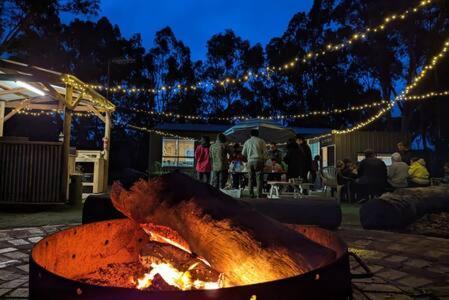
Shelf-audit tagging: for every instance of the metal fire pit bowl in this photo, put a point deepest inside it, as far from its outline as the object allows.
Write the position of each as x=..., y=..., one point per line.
x=67, y=254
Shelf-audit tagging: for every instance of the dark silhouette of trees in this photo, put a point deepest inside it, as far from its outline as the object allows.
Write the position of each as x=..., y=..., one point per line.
x=377, y=68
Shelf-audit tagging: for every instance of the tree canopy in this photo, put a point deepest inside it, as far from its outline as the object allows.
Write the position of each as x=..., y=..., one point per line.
x=374, y=69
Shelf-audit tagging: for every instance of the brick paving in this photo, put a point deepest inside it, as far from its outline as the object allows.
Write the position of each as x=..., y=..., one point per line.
x=404, y=266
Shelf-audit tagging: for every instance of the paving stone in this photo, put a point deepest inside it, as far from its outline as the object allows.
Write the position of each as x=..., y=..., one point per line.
x=8, y=263
x=434, y=254
x=383, y=287
x=25, y=268
x=361, y=243
x=398, y=247
x=18, y=242
x=439, y=268
x=396, y=258
x=16, y=255
x=8, y=275
x=414, y=282
x=35, y=231
x=9, y=249
x=391, y=274
x=387, y=296
x=417, y=263
x=20, y=292
x=35, y=239
x=4, y=291
x=13, y=283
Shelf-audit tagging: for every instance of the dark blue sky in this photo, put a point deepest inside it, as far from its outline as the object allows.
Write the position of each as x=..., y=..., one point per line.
x=195, y=21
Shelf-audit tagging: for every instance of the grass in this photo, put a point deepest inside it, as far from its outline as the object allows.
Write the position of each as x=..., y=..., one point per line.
x=23, y=216
x=350, y=214
x=26, y=216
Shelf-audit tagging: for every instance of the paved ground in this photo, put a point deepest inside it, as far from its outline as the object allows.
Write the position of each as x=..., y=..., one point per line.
x=405, y=266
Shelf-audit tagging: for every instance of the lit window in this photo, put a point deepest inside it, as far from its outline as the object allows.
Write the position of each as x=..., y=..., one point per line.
x=178, y=153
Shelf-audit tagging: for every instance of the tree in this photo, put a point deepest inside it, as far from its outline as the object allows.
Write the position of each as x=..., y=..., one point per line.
x=20, y=16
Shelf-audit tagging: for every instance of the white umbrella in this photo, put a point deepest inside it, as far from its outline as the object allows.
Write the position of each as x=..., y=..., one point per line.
x=270, y=131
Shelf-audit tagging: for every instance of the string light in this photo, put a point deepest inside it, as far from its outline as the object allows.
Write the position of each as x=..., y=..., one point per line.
x=53, y=112
x=275, y=117
x=329, y=48
x=289, y=116
x=401, y=97
x=159, y=132
x=84, y=88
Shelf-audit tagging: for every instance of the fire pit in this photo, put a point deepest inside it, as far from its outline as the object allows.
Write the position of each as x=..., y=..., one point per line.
x=59, y=263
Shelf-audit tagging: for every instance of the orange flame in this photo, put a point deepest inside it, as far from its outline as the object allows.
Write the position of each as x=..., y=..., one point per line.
x=176, y=278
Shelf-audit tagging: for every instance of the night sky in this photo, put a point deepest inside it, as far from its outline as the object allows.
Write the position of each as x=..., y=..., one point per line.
x=195, y=21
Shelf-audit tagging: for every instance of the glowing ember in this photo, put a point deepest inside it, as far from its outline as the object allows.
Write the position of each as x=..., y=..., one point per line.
x=174, y=277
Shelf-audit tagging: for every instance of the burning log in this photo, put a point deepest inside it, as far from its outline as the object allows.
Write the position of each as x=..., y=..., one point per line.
x=155, y=253
x=236, y=240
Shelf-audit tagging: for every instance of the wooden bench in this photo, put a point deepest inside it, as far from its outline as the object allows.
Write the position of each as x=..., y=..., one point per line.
x=298, y=188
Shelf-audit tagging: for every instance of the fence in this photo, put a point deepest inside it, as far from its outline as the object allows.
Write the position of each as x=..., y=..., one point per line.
x=30, y=172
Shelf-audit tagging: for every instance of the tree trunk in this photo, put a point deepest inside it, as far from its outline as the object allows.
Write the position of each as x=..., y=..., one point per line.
x=403, y=207
x=244, y=245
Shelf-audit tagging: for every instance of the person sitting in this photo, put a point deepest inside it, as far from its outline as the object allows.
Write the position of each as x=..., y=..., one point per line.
x=398, y=172
x=345, y=177
x=418, y=173
x=445, y=179
x=372, y=176
x=274, y=154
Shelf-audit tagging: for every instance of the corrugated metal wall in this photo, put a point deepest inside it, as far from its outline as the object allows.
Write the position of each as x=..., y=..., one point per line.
x=30, y=172
x=348, y=145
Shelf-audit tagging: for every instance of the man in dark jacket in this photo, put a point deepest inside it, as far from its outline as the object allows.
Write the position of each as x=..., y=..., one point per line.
x=305, y=158
x=372, y=175
x=292, y=160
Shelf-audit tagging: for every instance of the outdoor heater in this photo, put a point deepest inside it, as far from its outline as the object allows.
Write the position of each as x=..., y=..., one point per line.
x=59, y=262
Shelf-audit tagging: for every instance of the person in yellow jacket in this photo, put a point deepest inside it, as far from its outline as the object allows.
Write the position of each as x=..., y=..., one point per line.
x=418, y=173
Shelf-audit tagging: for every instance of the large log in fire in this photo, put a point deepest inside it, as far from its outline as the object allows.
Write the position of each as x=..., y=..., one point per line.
x=244, y=245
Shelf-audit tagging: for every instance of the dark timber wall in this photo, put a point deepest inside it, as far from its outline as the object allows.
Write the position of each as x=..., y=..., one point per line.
x=30, y=172
x=348, y=145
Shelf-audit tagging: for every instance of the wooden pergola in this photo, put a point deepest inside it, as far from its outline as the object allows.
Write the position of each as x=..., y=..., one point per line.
x=26, y=87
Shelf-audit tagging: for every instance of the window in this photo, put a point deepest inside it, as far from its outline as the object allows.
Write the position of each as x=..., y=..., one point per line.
x=178, y=153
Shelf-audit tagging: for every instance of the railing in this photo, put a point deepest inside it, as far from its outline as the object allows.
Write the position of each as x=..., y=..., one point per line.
x=30, y=172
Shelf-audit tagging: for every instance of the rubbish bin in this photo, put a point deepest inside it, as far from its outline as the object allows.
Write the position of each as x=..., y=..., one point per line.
x=76, y=190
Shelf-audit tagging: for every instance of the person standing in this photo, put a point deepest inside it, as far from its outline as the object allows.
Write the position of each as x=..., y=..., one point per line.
x=292, y=161
x=404, y=151
x=255, y=152
x=305, y=159
x=202, y=158
x=236, y=166
x=397, y=172
x=315, y=170
x=218, y=154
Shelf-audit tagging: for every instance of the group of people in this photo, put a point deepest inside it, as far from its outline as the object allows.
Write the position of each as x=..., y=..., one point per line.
x=214, y=162
x=371, y=176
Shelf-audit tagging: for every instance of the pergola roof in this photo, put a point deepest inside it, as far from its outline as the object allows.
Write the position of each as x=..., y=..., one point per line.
x=14, y=74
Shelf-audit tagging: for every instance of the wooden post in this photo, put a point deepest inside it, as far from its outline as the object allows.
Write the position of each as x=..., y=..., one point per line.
x=107, y=146
x=2, y=116
x=67, y=123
